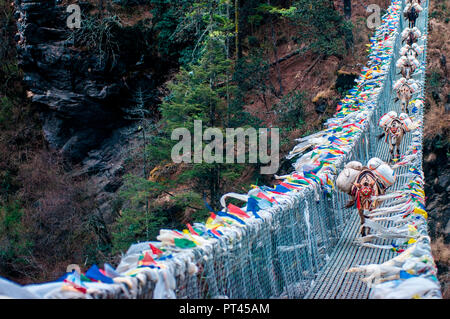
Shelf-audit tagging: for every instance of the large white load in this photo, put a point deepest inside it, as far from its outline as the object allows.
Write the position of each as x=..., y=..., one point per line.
x=406, y=121
x=348, y=175
x=382, y=170
x=401, y=62
x=384, y=173
x=414, y=61
x=412, y=84
x=414, y=5
x=415, y=30
x=403, y=118
x=404, y=49
x=417, y=48
x=399, y=83
x=387, y=118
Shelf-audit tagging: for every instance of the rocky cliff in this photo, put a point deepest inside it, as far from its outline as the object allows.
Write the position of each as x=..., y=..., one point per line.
x=83, y=91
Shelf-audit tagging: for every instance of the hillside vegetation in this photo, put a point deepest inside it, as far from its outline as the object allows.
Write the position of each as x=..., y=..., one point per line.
x=437, y=138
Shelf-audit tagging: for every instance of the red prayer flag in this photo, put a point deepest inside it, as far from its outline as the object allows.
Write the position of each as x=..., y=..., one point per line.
x=214, y=231
x=191, y=230
x=155, y=250
x=261, y=195
x=148, y=260
x=288, y=186
x=236, y=210
x=77, y=287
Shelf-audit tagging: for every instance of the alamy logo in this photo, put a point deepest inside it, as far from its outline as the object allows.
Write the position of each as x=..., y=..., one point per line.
x=235, y=146
x=73, y=267
x=373, y=20
x=74, y=19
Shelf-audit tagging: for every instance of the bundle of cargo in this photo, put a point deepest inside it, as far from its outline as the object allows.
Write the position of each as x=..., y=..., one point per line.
x=387, y=119
x=352, y=170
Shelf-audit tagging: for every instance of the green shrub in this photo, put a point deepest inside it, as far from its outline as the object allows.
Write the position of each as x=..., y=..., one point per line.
x=290, y=109
x=6, y=107
x=434, y=81
x=14, y=243
x=98, y=34
x=134, y=226
x=142, y=217
x=320, y=25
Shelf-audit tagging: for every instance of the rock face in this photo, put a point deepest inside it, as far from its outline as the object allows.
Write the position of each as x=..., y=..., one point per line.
x=82, y=98
x=437, y=187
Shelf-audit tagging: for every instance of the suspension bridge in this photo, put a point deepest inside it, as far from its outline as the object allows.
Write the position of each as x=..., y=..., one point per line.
x=296, y=240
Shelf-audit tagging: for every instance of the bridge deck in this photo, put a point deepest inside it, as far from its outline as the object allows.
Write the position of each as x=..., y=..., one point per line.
x=333, y=282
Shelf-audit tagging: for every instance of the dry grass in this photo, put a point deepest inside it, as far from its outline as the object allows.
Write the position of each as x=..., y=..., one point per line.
x=441, y=254
x=437, y=122
x=325, y=94
x=437, y=71
x=128, y=16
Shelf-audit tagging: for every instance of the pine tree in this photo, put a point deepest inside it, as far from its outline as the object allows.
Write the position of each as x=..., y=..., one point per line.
x=321, y=26
x=348, y=9
x=199, y=94
x=203, y=90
